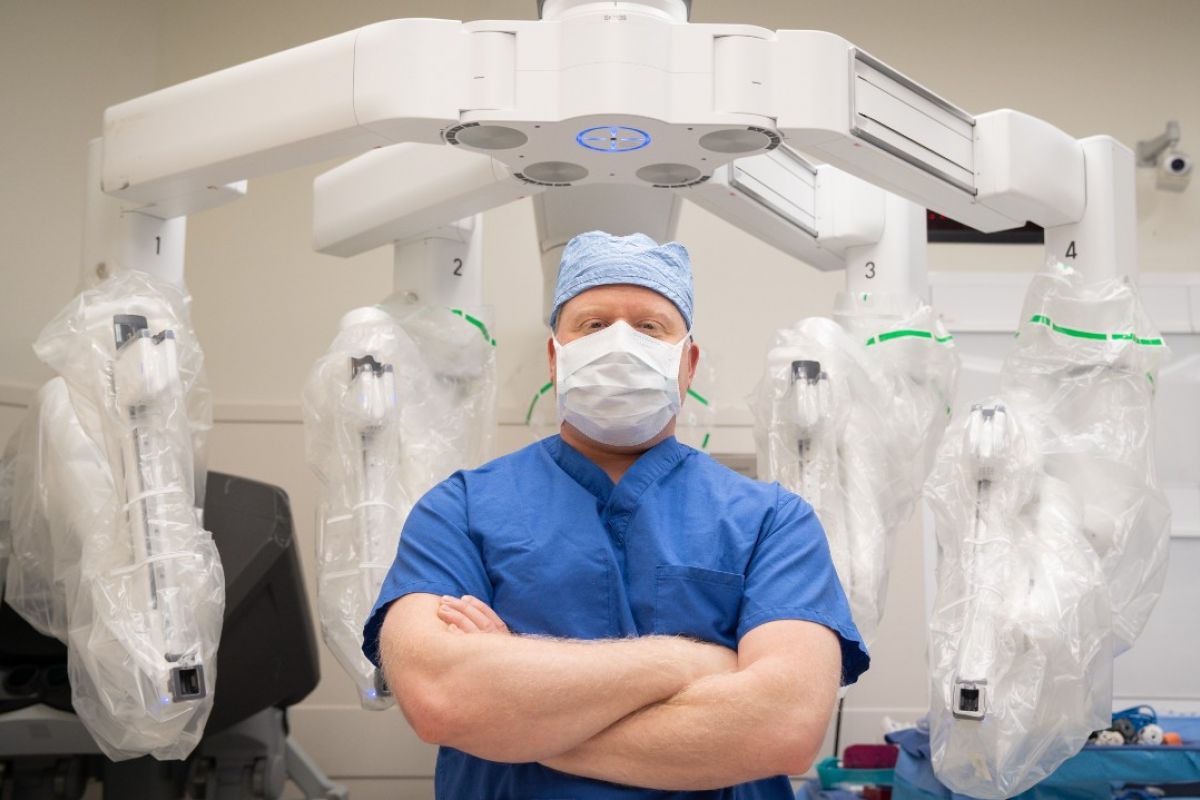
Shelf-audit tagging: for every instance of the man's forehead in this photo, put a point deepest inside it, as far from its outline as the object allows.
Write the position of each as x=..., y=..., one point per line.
x=621, y=297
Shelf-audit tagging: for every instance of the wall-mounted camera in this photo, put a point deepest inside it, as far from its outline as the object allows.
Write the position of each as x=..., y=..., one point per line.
x=1174, y=168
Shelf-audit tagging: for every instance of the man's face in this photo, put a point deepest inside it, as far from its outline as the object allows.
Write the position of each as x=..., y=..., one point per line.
x=644, y=310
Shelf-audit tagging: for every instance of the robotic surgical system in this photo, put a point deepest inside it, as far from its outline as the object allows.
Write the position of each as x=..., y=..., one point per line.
x=608, y=115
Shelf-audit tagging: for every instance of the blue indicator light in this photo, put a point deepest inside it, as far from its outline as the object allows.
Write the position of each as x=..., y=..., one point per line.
x=166, y=701
x=371, y=694
x=613, y=138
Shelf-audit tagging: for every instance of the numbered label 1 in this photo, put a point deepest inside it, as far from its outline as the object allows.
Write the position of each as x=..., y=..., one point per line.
x=158, y=245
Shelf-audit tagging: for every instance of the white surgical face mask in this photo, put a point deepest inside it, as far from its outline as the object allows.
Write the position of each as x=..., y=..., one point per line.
x=618, y=386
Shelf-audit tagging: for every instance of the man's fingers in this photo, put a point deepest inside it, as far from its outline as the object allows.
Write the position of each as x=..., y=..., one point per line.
x=488, y=611
x=454, y=617
x=476, y=614
x=470, y=615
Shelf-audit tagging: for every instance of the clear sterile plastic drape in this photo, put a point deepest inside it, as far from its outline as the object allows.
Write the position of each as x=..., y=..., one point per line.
x=848, y=416
x=1021, y=655
x=1089, y=355
x=1052, y=538
x=108, y=551
x=402, y=399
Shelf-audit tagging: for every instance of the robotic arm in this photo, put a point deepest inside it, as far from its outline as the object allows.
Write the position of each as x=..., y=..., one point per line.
x=370, y=406
x=149, y=394
x=987, y=440
x=112, y=558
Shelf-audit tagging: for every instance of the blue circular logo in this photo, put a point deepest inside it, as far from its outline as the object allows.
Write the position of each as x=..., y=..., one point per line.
x=613, y=139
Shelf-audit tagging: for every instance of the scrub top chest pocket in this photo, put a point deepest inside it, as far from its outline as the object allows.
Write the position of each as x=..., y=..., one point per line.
x=697, y=602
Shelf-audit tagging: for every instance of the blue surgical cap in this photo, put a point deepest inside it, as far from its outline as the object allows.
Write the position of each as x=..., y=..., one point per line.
x=597, y=258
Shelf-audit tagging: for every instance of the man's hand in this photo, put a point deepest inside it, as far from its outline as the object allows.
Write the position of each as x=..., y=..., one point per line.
x=469, y=614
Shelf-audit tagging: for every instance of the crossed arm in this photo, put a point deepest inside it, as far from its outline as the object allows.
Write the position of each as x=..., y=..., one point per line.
x=658, y=712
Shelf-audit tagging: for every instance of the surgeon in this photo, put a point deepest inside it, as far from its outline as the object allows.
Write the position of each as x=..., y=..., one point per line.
x=608, y=613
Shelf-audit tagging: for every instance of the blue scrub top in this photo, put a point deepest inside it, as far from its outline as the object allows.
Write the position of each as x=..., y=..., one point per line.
x=681, y=545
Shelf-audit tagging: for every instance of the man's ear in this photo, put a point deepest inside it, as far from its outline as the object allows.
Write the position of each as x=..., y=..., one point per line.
x=693, y=359
x=552, y=358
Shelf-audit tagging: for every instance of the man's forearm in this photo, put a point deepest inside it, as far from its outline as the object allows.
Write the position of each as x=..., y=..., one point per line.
x=514, y=698
x=720, y=731
x=522, y=699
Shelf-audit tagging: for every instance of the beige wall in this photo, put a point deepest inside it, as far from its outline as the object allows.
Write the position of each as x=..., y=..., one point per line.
x=266, y=305
x=61, y=64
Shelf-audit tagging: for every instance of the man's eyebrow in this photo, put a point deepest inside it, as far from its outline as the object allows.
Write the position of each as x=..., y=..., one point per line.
x=642, y=311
